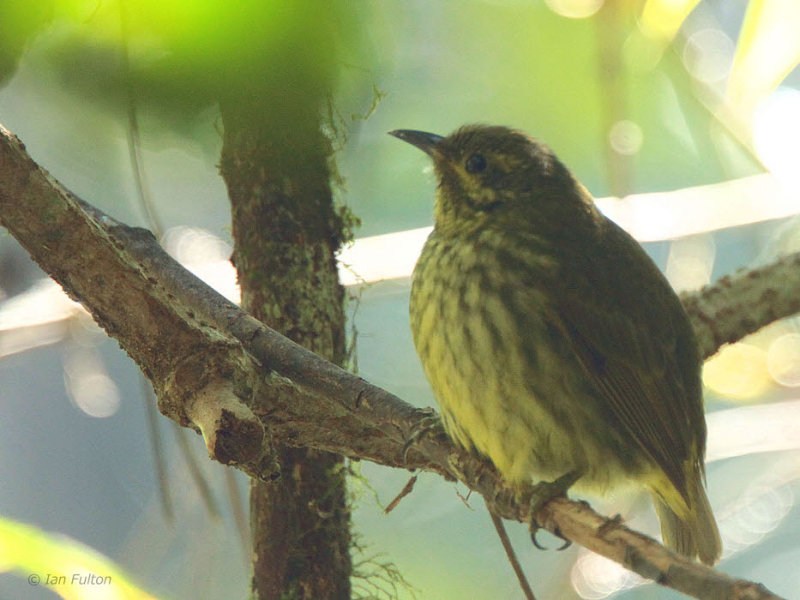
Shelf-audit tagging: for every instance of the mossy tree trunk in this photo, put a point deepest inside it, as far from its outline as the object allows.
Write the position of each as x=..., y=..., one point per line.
x=285, y=232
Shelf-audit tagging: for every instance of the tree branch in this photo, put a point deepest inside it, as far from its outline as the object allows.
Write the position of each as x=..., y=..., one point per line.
x=740, y=304
x=221, y=372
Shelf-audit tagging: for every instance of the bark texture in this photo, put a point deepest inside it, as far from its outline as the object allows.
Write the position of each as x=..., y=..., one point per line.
x=286, y=233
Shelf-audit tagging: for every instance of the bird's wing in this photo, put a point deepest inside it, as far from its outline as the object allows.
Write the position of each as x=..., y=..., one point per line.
x=627, y=331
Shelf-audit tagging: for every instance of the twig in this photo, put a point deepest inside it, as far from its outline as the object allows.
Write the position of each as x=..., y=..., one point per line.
x=512, y=556
x=407, y=489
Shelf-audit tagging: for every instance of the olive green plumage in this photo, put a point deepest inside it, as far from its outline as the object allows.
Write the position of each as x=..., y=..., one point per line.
x=551, y=340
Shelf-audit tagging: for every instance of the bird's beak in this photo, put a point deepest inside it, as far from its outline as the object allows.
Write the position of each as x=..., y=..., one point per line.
x=423, y=140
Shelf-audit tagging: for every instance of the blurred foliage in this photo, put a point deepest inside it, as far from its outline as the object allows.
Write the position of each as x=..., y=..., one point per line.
x=77, y=570
x=21, y=20
x=180, y=57
x=616, y=72
x=768, y=50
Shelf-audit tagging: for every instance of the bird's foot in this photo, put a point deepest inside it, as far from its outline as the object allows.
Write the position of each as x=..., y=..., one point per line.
x=543, y=492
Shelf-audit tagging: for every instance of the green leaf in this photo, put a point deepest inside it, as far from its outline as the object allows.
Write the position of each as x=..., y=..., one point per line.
x=768, y=49
x=661, y=19
x=62, y=564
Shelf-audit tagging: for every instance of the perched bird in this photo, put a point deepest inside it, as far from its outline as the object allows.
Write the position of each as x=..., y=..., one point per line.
x=552, y=342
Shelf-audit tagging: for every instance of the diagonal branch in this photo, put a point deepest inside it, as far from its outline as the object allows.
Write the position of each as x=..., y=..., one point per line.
x=740, y=304
x=221, y=372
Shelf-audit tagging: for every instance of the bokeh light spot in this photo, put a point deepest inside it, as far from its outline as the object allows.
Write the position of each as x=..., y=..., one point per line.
x=95, y=394
x=708, y=55
x=690, y=262
x=626, y=137
x=783, y=360
x=738, y=371
x=574, y=9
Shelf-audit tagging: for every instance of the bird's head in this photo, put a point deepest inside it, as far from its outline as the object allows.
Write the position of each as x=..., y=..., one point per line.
x=496, y=176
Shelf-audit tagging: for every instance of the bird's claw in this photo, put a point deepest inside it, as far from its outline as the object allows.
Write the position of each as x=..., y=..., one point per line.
x=543, y=492
x=535, y=529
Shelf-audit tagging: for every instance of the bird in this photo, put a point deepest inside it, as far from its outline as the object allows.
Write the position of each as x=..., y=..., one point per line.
x=553, y=344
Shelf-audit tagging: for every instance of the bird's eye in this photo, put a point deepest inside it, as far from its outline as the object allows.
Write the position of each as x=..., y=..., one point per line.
x=475, y=163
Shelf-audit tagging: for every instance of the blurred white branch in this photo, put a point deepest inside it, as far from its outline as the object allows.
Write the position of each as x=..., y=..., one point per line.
x=648, y=217
x=753, y=429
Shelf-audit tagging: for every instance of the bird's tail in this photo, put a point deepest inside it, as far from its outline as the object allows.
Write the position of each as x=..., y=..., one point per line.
x=694, y=534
